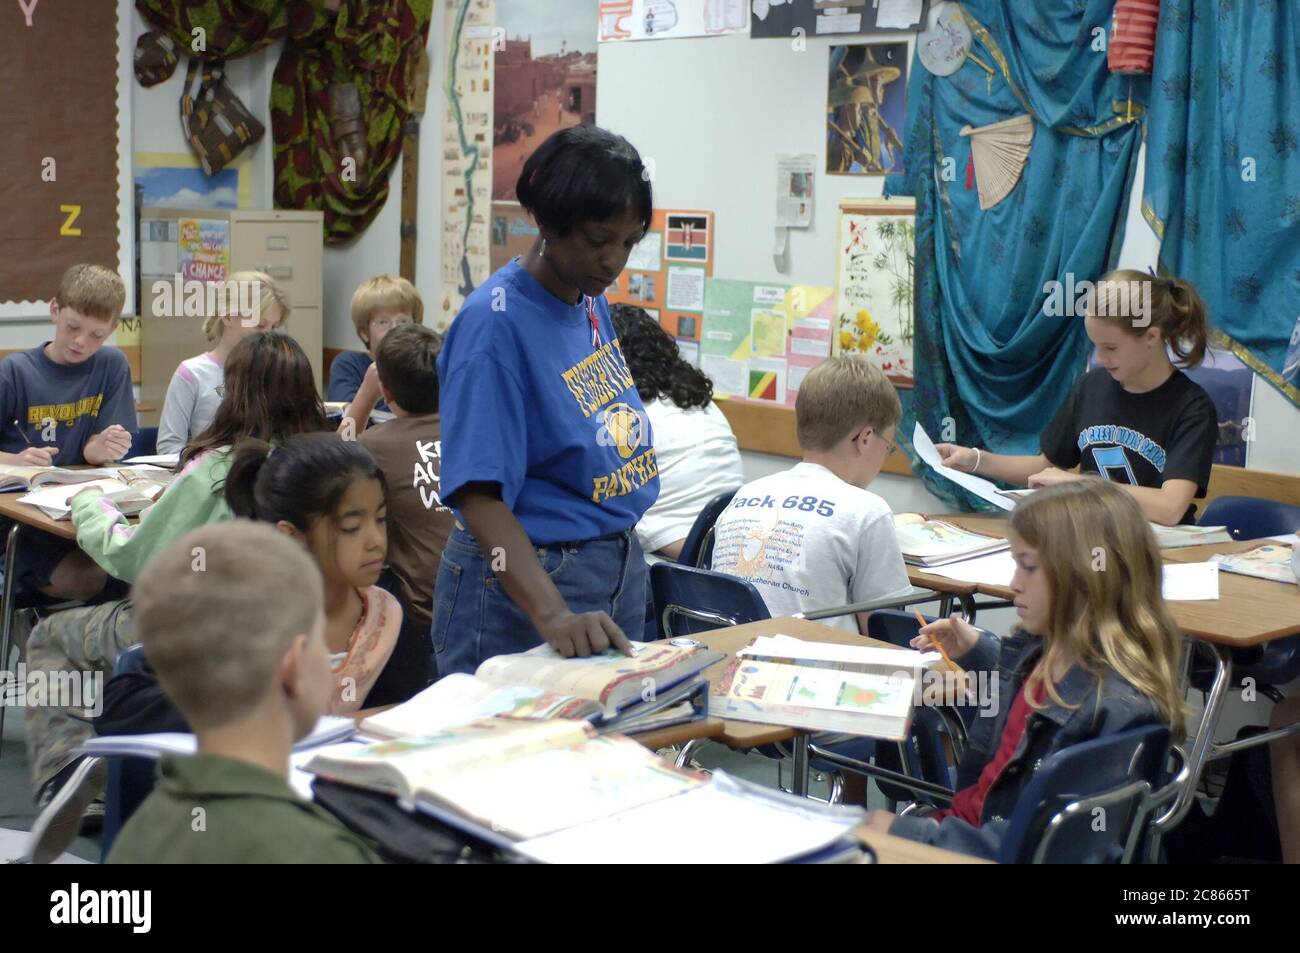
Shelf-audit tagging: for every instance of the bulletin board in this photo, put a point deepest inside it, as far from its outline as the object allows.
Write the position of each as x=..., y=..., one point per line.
x=761, y=339
x=666, y=272
x=65, y=159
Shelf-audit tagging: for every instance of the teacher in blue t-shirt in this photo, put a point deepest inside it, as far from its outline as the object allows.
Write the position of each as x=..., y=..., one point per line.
x=547, y=456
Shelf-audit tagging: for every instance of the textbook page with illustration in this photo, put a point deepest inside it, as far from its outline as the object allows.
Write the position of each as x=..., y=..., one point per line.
x=1267, y=561
x=935, y=542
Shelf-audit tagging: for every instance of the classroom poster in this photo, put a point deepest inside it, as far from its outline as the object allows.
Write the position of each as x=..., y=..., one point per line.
x=203, y=249
x=873, y=308
x=760, y=340
x=545, y=74
x=671, y=19
x=866, y=105
x=466, y=153
x=668, y=269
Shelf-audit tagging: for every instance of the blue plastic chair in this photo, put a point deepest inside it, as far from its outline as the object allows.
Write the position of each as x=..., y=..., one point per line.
x=1055, y=819
x=130, y=780
x=698, y=549
x=701, y=599
x=144, y=443
x=1274, y=663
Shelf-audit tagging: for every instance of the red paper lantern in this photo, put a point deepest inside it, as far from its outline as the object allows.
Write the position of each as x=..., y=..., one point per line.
x=1132, y=46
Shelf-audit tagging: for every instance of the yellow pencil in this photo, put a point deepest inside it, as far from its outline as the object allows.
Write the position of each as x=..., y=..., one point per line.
x=934, y=641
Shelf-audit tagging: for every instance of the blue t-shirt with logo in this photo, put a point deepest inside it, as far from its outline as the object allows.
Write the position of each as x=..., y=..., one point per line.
x=529, y=402
x=63, y=405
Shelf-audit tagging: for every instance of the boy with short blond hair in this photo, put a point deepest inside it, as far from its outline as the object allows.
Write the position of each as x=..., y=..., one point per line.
x=378, y=305
x=65, y=402
x=814, y=537
x=231, y=619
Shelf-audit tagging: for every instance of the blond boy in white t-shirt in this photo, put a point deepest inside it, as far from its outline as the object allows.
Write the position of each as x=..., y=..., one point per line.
x=813, y=537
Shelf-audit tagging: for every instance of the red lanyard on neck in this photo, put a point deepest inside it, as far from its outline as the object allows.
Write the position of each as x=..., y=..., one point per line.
x=595, y=322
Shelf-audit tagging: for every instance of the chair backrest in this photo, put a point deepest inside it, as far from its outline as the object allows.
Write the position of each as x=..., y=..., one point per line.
x=1086, y=804
x=693, y=600
x=130, y=780
x=698, y=549
x=144, y=443
x=1249, y=517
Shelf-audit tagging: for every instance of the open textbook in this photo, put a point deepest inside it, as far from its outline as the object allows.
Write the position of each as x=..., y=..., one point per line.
x=131, y=489
x=656, y=687
x=13, y=477
x=859, y=690
x=933, y=542
x=1266, y=561
x=328, y=729
x=584, y=795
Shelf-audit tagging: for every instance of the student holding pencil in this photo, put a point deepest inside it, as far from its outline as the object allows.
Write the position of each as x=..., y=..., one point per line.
x=1137, y=419
x=1096, y=653
x=547, y=456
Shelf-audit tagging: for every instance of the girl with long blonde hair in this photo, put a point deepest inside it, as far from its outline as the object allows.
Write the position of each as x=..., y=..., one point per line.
x=247, y=302
x=1096, y=653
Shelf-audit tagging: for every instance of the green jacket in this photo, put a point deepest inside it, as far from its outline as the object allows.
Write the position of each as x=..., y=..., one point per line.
x=215, y=810
x=194, y=499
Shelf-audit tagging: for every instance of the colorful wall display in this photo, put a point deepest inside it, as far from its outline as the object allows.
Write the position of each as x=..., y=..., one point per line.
x=760, y=340
x=873, y=307
x=666, y=272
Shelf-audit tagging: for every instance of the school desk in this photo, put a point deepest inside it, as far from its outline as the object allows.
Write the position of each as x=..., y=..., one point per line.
x=1248, y=612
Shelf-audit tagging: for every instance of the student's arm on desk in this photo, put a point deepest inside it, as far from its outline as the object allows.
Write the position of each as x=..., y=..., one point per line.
x=121, y=549
x=1165, y=504
x=525, y=581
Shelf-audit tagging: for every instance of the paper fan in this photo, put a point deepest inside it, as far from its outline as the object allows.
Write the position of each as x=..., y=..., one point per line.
x=999, y=153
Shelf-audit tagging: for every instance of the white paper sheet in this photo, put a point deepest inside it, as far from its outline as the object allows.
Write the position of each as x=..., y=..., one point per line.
x=898, y=14
x=729, y=377
x=1190, y=582
x=708, y=825
x=685, y=289
x=977, y=485
x=648, y=254
x=995, y=569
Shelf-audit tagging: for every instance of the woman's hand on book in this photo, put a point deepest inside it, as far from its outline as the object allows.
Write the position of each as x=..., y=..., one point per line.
x=955, y=634
x=583, y=633
x=959, y=458
x=36, y=456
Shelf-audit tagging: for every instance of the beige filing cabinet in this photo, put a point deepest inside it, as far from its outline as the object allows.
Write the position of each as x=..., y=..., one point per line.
x=288, y=246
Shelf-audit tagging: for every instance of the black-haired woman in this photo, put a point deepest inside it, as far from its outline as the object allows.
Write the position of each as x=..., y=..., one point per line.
x=547, y=456
x=694, y=446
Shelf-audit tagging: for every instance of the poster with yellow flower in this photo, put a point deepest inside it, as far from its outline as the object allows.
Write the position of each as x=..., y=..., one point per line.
x=873, y=300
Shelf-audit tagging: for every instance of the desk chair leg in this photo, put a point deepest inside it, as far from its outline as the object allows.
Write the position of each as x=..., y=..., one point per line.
x=7, y=622
x=945, y=605
x=1201, y=744
x=799, y=768
x=688, y=751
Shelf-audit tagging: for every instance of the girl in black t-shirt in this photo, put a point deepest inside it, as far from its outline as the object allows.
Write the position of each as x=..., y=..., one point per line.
x=1136, y=419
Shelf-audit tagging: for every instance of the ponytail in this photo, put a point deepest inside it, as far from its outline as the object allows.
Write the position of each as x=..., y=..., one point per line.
x=1187, y=329
x=250, y=458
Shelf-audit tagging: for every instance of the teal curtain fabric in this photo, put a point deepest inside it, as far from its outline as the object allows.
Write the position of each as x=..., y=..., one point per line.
x=990, y=366
x=1222, y=185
